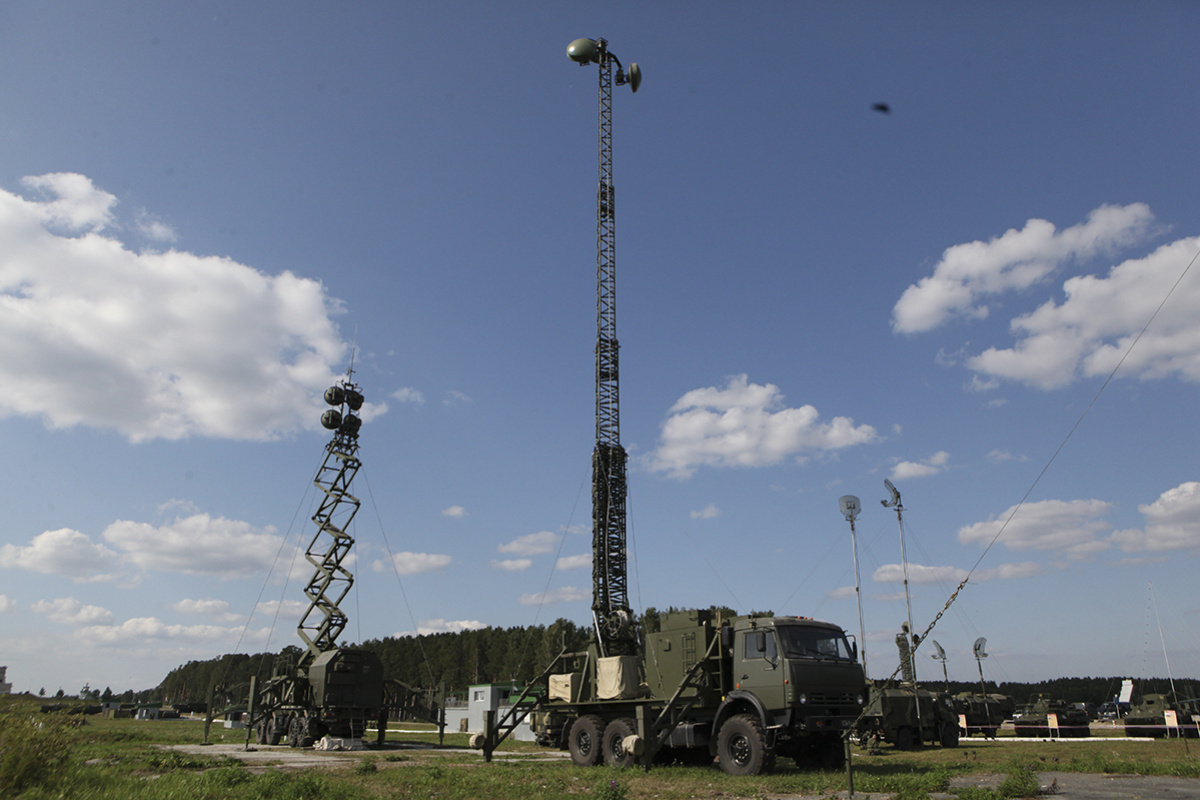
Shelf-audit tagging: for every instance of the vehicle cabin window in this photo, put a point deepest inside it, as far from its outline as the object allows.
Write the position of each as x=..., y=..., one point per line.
x=752, y=642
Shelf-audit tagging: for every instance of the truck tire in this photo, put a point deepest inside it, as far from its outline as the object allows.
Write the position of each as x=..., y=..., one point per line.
x=585, y=741
x=275, y=729
x=905, y=738
x=742, y=746
x=614, y=734
x=949, y=737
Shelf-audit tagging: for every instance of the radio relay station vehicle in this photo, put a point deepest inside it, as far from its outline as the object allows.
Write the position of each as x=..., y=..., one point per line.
x=743, y=690
x=329, y=690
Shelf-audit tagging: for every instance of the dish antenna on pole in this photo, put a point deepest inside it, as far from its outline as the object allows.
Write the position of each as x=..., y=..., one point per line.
x=894, y=502
x=980, y=654
x=940, y=655
x=851, y=506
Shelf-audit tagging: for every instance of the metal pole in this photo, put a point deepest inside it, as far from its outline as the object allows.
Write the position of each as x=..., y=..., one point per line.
x=862, y=633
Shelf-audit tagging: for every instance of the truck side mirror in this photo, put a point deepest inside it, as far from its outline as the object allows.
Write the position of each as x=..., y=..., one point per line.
x=727, y=637
x=760, y=641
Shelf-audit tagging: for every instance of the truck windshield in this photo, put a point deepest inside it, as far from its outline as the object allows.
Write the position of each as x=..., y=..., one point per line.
x=803, y=642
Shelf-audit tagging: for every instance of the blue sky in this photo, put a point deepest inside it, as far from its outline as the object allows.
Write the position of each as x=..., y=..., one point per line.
x=206, y=208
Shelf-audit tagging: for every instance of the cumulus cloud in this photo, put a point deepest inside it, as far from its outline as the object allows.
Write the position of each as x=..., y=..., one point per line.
x=1089, y=333
x=513, y=564
x=136, y=631
x=7, y=603
x=1172, y=522
x=414, y=563
x=197, y=545
x=429, y=626
x=566, y=594
x=151, y=344
x=921, y=574
x=708, y=512
x=62, y=552
x=1073, y=527
x=409, y=395
x=918, y=574
x=921, y=469
x=217, y=609
x=1018, y=259
x=454, y=511
x=69, y=611
x=574, y=562
x=745, y=424
x=531, y=544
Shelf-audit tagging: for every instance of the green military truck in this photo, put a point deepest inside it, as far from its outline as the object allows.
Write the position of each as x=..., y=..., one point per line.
x=744, y=691
x=907, y=717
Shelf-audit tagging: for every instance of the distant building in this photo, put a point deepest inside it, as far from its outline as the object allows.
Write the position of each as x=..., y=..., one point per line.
x=5, y=688
x=469, y=718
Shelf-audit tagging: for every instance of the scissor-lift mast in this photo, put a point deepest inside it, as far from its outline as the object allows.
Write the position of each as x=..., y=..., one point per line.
x=323, y=621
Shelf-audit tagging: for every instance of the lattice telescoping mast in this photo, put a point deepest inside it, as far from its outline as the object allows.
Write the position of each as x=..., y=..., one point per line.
x=324, y=620
x=611, y=613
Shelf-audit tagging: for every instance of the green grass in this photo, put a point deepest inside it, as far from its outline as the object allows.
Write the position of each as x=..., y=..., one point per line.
x=50, y=756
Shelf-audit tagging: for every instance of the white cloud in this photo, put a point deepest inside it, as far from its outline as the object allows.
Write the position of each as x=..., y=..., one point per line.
x=513, y=564
x=153, y=228
x=708, y=512
x=71, y=202
x=151, y=344
x=409, y=395
x=1073, y=527
x=455, y=397
x=918, y=574
x=288, y=609
x=429, y=626
x=454, y=511
x=574, y=562
x=531, y=544
x=137, y=630
x=7, y=603
x=415, y=563
x=198, y=544
x=921, y=469
x=62, y=552
x=745, y=425
x=566, y=594
x=217, y=609
x=69, y=611
x=841, y=593
x=1089, y=333
x=1172, y=522
x=1011, y=262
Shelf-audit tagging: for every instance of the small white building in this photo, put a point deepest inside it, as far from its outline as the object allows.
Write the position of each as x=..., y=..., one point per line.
x=482, y=698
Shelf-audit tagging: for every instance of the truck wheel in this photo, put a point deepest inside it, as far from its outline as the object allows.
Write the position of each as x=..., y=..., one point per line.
x=949, y=736
x=585, y=741
x=260, y=730
x=742, y=746
x=905, y=740
x=614, y=734
x=275, y=726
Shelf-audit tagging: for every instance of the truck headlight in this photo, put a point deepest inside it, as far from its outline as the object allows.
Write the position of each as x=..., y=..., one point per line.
x=859, y=699
x=803, y=698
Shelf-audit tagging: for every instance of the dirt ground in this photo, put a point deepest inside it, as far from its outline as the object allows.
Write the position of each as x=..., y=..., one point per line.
x=1065, y=785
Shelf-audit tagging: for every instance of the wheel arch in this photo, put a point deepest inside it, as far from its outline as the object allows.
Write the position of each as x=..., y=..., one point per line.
x=739, y=702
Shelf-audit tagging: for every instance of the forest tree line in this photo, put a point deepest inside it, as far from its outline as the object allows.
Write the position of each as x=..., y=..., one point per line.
x=518, y=655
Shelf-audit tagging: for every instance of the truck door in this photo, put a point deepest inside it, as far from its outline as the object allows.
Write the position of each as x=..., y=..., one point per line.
x=759, y=668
